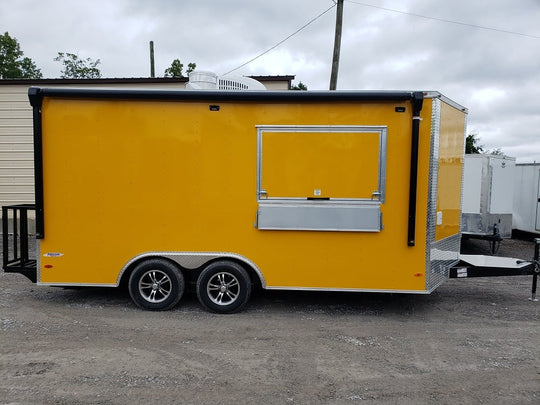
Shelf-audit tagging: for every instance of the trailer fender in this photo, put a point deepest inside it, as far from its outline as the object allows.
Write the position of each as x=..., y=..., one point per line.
x=192, y=261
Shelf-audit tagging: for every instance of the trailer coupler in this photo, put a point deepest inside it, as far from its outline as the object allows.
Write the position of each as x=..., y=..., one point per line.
x=491, y=266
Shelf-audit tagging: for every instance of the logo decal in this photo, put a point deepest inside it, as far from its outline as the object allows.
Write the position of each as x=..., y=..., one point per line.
x=53, y=254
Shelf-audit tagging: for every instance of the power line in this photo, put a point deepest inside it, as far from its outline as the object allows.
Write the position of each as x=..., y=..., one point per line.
x=283, y=40
x=445, y=20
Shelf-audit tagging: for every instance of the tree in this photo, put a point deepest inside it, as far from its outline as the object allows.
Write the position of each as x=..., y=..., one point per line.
x=496, y=152
x=191, y=67
x=299, y=86
x=76, y=68
x=177, y=67
x=12, y=64
x=471, y=144
x=30, y=70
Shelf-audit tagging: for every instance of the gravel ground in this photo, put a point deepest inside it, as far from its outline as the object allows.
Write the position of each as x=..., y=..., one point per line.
x=471, y=341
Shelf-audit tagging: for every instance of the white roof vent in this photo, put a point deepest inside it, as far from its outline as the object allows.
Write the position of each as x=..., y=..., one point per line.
x=201, y=80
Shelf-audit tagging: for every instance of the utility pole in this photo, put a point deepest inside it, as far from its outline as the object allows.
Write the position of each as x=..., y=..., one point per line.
x=337, y=45
x=152, y=69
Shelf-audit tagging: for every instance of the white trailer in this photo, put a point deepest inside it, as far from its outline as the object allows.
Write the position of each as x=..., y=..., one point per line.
x=526, y=214
x=488, y=197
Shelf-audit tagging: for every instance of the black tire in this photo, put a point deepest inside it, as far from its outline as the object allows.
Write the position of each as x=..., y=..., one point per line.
x=224, y=287
x=156, y=284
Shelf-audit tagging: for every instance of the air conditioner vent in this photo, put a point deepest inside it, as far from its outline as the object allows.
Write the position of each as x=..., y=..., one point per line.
x=201, y=80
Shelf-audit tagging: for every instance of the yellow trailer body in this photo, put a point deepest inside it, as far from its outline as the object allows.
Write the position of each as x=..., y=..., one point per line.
x=352, y=191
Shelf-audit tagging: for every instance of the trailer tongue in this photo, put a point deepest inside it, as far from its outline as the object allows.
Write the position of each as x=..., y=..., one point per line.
x=492, y=266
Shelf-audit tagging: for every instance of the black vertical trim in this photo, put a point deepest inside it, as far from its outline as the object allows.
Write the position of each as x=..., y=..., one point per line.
x=417, y=101
x=36, y=98
x=536, y=263
x=5, y=239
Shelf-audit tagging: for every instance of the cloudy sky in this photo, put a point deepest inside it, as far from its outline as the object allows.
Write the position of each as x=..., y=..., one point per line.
x=484, y=54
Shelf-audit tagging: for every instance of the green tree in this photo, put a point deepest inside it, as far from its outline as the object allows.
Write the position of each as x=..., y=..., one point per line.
x=299, y=86
x=496, y=152
x=471, y=144
x=191, y=67
x=76, y=68
x=177, y=69
x=12, y=63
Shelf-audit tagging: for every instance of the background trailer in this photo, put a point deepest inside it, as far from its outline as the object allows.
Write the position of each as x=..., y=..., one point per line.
x=527, y=198
x=342, y=191
x=488, y=197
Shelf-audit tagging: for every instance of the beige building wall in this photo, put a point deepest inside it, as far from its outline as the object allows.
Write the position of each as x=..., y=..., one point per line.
x=16, y=146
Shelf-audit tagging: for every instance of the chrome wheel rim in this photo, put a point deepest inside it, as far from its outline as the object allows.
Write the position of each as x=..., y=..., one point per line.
x=223, y=288
x=155, y=286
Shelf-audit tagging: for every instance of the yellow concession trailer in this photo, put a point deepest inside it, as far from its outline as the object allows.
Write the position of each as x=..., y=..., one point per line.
x=334, y=191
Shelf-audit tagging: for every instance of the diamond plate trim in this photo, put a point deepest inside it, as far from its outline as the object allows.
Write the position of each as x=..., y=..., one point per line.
x=442, y=254
x=432, y=187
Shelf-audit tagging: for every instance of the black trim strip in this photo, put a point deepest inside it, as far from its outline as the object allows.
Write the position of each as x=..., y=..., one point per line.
x=37, y=94
x=417, y=102
x=36, y=98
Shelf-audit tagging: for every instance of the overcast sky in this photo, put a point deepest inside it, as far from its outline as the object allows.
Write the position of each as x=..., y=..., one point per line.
x=494, y=71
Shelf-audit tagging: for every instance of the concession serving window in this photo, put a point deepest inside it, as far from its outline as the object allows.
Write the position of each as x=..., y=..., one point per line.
x=321, y=178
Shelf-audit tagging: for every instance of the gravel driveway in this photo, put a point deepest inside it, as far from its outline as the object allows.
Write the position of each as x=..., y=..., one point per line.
x=471, y=341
